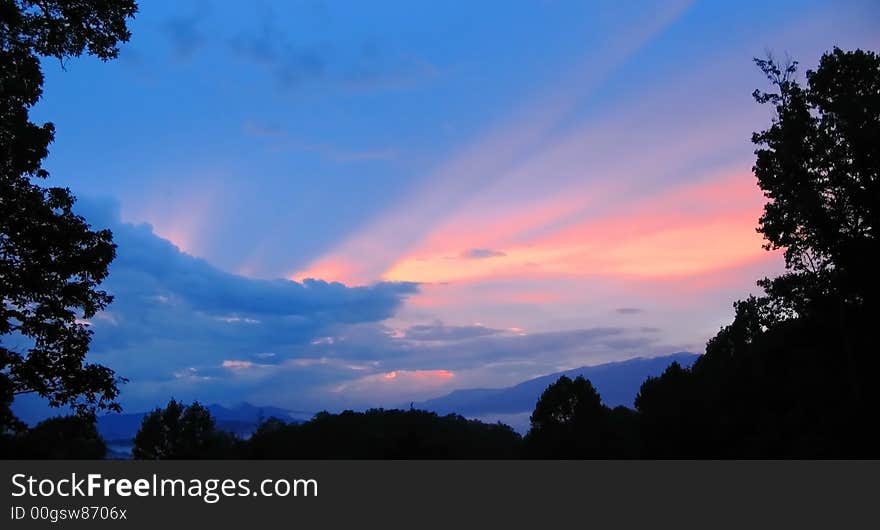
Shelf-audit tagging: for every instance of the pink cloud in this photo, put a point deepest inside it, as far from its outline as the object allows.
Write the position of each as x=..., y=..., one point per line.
x=369, y=252
x=688, y=230
x=420, y=374
x=238, y=365
x=387, y=387
x=332, y=268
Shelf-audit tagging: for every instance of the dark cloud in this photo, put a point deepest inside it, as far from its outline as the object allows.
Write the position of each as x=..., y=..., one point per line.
x=181, y=327
x=269, y=46
x=510, y=357
x=440, y=332
x=185, y=35
x=377, y=68
x=550, y=347
x=173, y=274
x=294, y=63
x=279, y=140
x=467, y=347
x=629, y=310
x=256, y=128
x=482, y=253
x=197, y=311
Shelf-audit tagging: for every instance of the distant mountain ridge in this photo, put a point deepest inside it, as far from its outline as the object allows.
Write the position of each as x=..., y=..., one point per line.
x=618, y=383
x=240, y=419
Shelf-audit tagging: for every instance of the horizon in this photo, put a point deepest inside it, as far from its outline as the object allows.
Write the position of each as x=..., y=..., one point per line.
x=326, y=207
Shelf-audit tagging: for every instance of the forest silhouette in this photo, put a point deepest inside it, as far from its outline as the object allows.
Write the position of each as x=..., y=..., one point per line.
x=791, y=377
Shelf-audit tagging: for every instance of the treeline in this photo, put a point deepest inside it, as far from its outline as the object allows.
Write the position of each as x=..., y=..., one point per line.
x=62, y=437
x=179, y=431
x=771, y=393
x=776, y=393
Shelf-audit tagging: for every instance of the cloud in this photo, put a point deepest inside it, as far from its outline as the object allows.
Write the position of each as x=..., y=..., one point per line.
x=173, y=311
x=184, y=34
x=237, y=365
x=375, y=68
x=341, y=154
x=269, y=47
x=181, y=327
x=683, y=231
x=172, y=275
x=441, y=332
x=294, y=64
x=482, y=253
x=488, y=170
x=490, y=361
x=628, y=310
x=458, y=348
x=389, y=386
x=281, y=141
x=255, y=128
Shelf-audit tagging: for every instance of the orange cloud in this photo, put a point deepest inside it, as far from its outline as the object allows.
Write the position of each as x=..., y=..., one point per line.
x=455, y=185
x=379, y=387
x=238, y=365
x=420, y=374
x=186, y=220
x=686, y=231
x=332, y=269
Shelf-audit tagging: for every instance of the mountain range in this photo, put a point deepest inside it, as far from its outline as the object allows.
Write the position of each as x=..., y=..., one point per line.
x=240, y=419
x=618, y=383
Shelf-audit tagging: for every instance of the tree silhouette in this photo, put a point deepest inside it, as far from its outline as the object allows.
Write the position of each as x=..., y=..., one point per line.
x=570, y=421
x=64, y=437
x=180, y=431
x=666, y=405
x=379, y=433
x=51, y=261
x=792, y=375
x=819, y=165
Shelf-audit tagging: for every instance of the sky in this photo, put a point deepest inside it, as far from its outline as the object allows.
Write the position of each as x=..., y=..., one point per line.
x=328, y=205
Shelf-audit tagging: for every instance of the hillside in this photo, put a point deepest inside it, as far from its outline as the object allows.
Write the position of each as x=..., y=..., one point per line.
x=617, y=383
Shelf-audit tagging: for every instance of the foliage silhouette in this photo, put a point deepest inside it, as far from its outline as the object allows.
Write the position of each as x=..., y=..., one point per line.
x=65, y=437
x=179, y=431
x=51, y=261
x=570, y=421
x=379, y=433
x=62, y=437
x=792, y=376
x=818, y=165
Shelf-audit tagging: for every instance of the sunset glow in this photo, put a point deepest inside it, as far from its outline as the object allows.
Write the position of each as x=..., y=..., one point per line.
x=370, y=204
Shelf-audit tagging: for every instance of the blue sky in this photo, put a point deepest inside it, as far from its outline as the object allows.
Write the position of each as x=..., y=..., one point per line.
x=482, y=191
